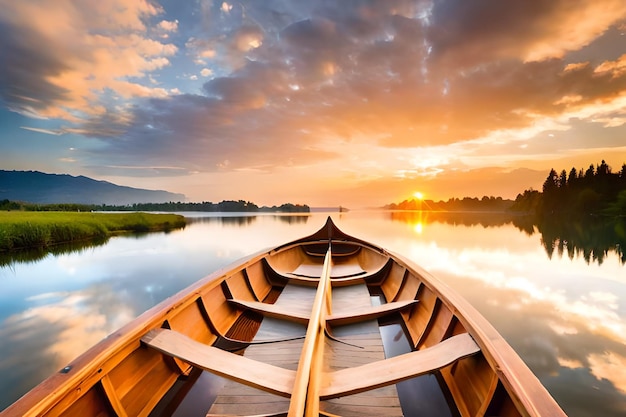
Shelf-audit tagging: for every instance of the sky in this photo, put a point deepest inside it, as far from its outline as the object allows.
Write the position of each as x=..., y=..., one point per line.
x=325, y=103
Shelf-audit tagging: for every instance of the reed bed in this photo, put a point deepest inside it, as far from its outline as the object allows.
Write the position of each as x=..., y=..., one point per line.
x=28, y=229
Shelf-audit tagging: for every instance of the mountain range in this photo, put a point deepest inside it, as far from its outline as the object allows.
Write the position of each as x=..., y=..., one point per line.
x=42, y=188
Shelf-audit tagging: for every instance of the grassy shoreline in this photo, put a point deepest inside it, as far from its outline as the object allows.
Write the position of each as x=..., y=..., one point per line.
x=29, y=229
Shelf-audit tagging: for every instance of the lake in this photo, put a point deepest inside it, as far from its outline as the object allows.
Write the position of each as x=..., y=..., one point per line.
x=560, y=306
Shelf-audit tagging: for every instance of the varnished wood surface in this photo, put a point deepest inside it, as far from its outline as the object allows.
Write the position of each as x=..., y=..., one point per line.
x=231, y=365
x=356, y=345
x=396, y=369
x=273, y=310
x=237, y=399
x=338, y=271
x=368, y=313
x=305, y=398
x=335, y=319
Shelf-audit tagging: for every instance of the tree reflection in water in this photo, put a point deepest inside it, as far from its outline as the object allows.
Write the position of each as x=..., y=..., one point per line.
x=591, y=237
x=37, y=254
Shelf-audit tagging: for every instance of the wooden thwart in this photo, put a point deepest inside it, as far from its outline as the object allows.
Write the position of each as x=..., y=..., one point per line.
x=273, y=310
x=399, y=368
x=368, y=313
x=338, y=271
x=354, y=316
x=335, y=384
x=253, y=373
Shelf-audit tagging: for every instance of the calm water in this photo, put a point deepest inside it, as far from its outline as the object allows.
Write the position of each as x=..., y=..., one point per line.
x=565, y=314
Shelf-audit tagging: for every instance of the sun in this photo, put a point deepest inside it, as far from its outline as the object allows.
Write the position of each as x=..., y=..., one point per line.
x=418, y=195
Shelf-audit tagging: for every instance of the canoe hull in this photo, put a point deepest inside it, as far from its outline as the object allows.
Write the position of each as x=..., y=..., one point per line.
x=140, y=366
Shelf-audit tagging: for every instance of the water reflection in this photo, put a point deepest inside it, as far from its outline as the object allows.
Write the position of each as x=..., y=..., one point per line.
x=236, y=220
x=294, y=219
x=592, y=238
x=457, y=218
x=576, y=345
x=243, y=219
x=564, y=316
x=37, y=254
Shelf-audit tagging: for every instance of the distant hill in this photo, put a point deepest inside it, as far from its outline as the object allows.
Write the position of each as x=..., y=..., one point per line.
x=38, y=187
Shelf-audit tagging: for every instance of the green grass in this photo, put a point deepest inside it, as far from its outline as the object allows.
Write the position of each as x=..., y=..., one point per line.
x=29, y=229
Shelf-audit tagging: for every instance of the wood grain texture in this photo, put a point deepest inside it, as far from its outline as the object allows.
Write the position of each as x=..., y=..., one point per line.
x=226, y=364
x=398, y=368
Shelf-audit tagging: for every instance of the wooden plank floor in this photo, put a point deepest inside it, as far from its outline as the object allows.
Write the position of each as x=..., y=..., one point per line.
x=360, y=343
x=363, y=344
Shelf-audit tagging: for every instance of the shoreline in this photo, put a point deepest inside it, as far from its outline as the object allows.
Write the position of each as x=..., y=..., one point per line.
x=23, y=230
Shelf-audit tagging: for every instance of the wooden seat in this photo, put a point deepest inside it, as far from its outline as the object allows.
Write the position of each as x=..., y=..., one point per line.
x=229, y=365
x=273, y=310
x=354, y=316
x=337, y=271
x=369, y=313
x=334, y=384
x=399, y=368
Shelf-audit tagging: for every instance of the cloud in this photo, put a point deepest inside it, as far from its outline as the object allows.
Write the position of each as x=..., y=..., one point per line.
x=377, y=73
x=211, y=130
x=139, y=170
x=60, y=60
x=470, y=33
x=168, y=26
x=293, y=84
x=615, y=68
x=226, y=8
x=609, y=366
x=46, y=131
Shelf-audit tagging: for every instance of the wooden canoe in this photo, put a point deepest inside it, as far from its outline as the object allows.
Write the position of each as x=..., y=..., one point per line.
x=296, y=331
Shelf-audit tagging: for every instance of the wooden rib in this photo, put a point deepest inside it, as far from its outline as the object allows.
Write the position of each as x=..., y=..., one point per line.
x=439, y=327
x=399, y=368
x=111, y=395
x=228, y=365
x=429, y=323
x=257, y=280
x=410, y=288
x=491, y=390
x=238, y=286
x=225, y=342
x=393, y=283
x=305, y=398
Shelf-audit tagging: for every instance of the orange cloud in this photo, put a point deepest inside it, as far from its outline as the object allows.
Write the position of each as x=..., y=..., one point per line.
x=97, y=47
x=571, y=28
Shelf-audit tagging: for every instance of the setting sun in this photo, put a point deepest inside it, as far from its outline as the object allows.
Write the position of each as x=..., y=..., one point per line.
x=418, y=195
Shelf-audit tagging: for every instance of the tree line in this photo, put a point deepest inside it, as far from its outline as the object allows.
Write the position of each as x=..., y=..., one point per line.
x=486, y=203
x=596, y=190
x=223, y=206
